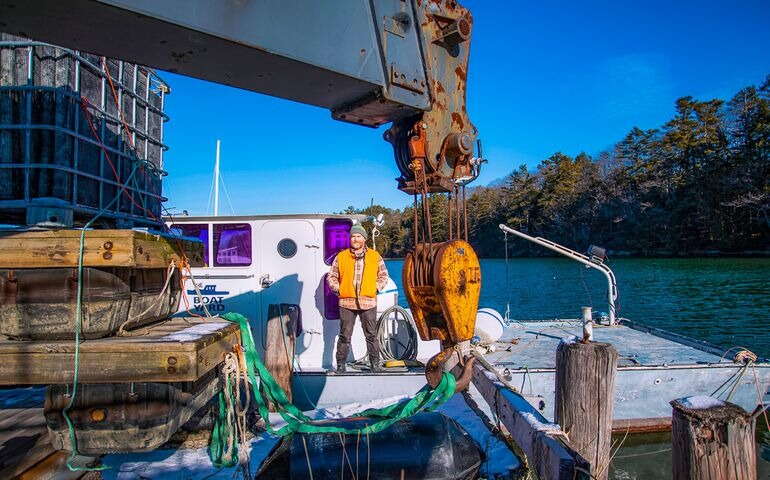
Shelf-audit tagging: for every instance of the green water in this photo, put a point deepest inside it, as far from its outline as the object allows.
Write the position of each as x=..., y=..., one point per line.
x=725, y=301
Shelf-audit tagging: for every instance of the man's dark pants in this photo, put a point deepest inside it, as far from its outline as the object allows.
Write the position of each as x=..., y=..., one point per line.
x=369, y=324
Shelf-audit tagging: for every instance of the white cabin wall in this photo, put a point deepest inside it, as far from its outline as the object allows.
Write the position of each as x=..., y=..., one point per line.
x=316, y=346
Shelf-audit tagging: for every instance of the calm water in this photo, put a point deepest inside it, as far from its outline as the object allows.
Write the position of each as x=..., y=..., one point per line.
x=725, y=301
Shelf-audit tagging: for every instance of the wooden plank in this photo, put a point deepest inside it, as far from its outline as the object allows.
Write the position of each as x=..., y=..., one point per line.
x=52, y=467
x=18, y=418
x=103, y=248
x=24, y=440
x=182, y=351
x=538, y=438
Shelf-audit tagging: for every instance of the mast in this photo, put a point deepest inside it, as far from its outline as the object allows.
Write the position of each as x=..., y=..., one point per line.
x=216, y=182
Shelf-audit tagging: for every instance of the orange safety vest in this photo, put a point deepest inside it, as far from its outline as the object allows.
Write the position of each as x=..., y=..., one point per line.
x=347, y=262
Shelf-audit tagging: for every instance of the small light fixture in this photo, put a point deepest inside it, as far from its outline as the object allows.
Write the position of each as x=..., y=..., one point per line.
x=597, y=254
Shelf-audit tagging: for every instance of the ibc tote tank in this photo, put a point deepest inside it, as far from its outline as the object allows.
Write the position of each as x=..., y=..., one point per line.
x=54, y=145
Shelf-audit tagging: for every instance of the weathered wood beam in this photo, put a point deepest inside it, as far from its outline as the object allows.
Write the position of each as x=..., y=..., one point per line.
x=179, y=350
x=103, y=248
x=538, y=438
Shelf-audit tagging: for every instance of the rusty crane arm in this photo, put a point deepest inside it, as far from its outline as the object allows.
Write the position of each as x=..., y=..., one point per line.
x=370, y=62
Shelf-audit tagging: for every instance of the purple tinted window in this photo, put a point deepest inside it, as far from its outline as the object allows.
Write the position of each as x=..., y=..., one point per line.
x=331, y=303
x=199, y=231
x=232, y=245
x=336, y=237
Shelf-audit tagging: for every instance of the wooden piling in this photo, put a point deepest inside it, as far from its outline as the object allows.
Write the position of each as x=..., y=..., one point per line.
x=585, y=387
x=279, y=356
x=712, y=440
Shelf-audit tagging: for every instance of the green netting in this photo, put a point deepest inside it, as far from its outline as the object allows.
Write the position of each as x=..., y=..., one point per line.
x=266, y=390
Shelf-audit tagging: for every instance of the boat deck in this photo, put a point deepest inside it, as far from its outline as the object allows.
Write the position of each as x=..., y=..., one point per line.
x=655, y=367
x=532, y=345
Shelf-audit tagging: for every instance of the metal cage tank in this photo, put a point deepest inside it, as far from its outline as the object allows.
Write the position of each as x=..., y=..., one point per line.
x=73, y=127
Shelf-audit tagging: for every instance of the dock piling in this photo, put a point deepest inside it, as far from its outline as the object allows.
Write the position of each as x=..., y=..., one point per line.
x=585, y=387
x=712, y=440
x=280, y=343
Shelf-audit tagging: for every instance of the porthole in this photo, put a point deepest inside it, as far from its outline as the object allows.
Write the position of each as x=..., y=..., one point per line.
x=287, y=248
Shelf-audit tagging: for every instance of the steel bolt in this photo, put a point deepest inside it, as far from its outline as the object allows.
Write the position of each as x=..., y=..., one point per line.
x=172, y=360
x=107, y=245
x=107, y=255
x=171, y=369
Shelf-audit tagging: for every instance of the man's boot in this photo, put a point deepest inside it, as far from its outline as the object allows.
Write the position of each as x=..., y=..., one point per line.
x=343, y=347
x=374, y=364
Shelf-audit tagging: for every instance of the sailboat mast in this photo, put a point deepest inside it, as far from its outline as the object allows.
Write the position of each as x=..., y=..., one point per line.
x=216, y=183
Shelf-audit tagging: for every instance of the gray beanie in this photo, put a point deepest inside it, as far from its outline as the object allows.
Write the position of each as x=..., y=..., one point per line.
x=357, y=228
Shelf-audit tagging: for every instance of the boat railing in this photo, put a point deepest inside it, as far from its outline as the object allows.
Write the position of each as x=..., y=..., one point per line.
x=591, y=262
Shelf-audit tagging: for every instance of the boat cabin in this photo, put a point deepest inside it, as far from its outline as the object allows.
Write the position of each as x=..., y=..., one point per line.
x=255, y=261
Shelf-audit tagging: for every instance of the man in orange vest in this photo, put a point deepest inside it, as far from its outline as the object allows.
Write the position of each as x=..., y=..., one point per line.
x=356, y=275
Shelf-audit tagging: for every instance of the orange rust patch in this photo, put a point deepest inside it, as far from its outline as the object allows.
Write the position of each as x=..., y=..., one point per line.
x=439, y=88
x=457, y=119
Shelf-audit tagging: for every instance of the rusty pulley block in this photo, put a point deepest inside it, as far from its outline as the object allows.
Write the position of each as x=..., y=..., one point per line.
x=442, y=280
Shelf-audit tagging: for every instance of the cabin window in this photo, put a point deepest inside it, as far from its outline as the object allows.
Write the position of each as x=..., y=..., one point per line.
x=195, y=230
x=287, y=248
x=232, y=245
x=336, y=237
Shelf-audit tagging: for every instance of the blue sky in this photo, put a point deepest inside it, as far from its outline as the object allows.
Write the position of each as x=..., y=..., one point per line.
x=544, y=77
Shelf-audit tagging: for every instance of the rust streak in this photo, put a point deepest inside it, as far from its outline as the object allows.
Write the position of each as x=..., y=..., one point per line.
x=458, y=119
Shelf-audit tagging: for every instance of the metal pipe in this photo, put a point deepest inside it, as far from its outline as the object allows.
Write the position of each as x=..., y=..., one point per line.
x=612, y=286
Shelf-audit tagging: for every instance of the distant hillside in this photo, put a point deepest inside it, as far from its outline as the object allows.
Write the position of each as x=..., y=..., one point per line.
x=700, y=183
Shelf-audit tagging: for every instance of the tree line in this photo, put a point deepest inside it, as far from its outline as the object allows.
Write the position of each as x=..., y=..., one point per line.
x=698, y=184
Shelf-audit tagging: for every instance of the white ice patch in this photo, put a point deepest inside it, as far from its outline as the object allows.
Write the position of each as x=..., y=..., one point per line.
x=190, y=334
x=339, y=411
x=569, y=339
x=535, y=422
x=700, y=402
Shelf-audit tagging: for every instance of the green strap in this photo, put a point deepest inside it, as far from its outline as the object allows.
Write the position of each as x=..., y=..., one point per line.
x=266, y=390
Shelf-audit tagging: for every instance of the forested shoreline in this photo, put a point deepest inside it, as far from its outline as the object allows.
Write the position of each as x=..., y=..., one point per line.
x=699, y=184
